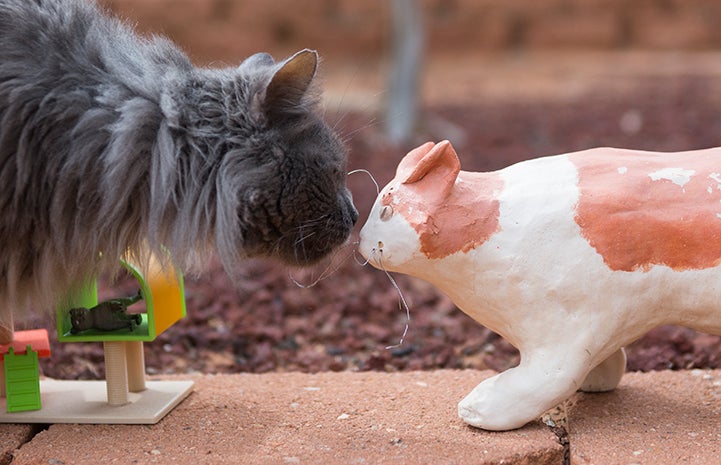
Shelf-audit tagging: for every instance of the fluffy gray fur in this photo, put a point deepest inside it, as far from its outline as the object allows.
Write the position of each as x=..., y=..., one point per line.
x=111, y=142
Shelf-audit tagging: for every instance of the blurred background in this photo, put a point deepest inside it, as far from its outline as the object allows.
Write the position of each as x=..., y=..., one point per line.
x=504, y=80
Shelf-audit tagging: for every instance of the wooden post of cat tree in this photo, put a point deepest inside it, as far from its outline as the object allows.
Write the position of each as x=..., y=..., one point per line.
x=136, y=365
x=116, y=372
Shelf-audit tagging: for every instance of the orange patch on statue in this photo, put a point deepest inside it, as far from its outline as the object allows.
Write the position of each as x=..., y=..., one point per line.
x=451, y=210
x=640, y=209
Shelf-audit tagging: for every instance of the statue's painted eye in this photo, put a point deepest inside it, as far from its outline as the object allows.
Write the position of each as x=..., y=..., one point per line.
x=386, y=213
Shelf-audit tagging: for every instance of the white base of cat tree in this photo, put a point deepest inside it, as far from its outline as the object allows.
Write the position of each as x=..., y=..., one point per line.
x=87, y=402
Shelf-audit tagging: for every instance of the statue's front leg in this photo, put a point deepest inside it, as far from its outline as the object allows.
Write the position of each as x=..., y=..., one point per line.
x=517, y=396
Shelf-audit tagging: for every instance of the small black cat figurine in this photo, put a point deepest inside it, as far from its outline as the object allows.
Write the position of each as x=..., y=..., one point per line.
x=112, y=142
x=108, y=315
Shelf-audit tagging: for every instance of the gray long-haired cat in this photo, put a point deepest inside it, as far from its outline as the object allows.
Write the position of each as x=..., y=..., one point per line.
x=110, y=142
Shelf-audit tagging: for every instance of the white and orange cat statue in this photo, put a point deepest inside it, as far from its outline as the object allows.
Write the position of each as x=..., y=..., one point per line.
x=568, y=257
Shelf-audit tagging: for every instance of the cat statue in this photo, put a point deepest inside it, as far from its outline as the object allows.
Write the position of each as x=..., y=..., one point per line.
x=568, y=257
x=112, y=142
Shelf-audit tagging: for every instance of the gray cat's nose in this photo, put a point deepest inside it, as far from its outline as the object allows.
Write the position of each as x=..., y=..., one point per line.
x=347, y=201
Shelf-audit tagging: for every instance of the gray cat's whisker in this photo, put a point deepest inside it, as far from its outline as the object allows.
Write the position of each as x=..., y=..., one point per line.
x=312, y=222
x=328, y=271
x=341, y=100
x=304, y=237
x=300, y=236
x=299, y=247
x=348, y=137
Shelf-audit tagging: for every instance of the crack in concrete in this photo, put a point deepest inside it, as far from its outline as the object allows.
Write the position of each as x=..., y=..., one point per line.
x=8, y=456
x=557, y=421
x=565, y=441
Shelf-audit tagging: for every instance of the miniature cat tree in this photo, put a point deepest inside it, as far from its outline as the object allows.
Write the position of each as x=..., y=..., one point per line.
x=125, y=397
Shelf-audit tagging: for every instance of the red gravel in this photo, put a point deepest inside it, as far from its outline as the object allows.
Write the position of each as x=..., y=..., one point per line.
x=263, y=322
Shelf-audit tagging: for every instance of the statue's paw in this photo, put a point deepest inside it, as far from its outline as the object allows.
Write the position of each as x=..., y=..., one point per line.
x=480, y=410
x=472, y=413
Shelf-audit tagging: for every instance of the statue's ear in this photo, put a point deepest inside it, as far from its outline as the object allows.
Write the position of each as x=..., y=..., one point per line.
x=411, y=160
x=436, y=166
x=290, y=83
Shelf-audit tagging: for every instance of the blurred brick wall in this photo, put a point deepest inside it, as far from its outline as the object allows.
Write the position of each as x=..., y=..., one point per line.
x=228, y=29
x=598, y=24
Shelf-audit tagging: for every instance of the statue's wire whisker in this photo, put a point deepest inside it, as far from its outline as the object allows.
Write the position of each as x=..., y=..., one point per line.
x=361, y=170
x=402, y=304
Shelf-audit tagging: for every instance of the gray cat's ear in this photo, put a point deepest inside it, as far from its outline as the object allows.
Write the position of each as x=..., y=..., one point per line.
x=254, y=61
x=290, y=83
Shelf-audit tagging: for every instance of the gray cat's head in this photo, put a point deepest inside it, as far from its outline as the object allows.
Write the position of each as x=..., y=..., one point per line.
x=271, y=171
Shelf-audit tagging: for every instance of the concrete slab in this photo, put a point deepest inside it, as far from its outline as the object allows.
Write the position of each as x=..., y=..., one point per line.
x=11, y=438
x=328, y=418
x=401, y=418
x=659, y=418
